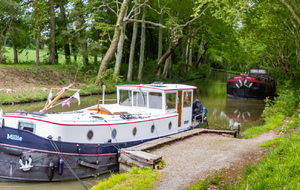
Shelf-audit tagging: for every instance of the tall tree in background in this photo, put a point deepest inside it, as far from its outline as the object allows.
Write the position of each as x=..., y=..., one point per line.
x=112, y=49
x=6, y=20
x=142, y=45
x=133, y=41
x=38, y=33
x=52, y=33
x=66, y=45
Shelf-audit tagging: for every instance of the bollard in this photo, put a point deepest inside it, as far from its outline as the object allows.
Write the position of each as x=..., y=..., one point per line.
x=238, y=132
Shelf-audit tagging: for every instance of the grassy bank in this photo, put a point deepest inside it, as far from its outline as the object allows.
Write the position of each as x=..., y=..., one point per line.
x=135, y=179
x=279, y=169
x=275, y=112
x=28, y=83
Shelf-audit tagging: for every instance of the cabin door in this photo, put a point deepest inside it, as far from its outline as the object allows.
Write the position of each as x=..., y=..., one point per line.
x=179, y=107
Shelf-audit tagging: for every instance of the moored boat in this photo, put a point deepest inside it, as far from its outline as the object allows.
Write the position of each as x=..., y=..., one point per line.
x=255, y=85
x=42, y=146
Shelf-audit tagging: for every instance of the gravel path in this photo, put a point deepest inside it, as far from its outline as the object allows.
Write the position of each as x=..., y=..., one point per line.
x=192, y=158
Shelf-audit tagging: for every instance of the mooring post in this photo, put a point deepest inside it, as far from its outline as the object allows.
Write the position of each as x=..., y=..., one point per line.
x=238, y=132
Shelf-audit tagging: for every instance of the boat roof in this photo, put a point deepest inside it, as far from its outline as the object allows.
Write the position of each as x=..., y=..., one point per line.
x=159, y=86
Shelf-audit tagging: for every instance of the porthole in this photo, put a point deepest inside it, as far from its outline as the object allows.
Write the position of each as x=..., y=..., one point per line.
x=90, y=134
x=170, y=125
x=152, y=128
x=134, y=131
x=114, y=133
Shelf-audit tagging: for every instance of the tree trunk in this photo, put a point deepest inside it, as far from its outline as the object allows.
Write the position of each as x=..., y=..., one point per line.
x=142, y=47
x=85, y=54
x=186, y=54
x=167, y=67
x=119, y=53
x=66, y=46
x=168, y=64
x=298, y=57
x=52, y=35
x=132, y=46
x=191, y=53
x=112, y=48
x=13, y=33
x=96, y=39
x=38, y=34
x=160, y=38
x=168, y=53
x=201, y=54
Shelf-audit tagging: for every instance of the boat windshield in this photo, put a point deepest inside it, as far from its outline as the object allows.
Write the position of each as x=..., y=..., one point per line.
x=125, y=98
x=140, y=99
x=155, y=100
x=187, y=99
x=171, y=100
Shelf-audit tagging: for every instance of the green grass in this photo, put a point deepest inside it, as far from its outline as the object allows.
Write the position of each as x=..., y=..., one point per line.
x=275, y=112
x=211, y=180
x=272, y=122
x=279, y=170
x=135, y=179
x=293, y=123
x=29, y=55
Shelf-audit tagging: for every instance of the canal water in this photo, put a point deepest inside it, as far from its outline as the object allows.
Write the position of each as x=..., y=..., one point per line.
x=223, y=113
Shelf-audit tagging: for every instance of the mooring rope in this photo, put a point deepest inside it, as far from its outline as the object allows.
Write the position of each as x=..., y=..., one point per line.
x=67, y=164
x=117, y=147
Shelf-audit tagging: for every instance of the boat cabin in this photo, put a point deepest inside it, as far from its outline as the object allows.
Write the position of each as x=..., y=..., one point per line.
x=159, y=98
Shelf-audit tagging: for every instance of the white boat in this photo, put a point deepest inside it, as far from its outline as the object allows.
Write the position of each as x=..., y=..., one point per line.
x=43, y=146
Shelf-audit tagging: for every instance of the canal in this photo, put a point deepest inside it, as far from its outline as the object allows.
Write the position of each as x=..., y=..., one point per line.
x=223, y=113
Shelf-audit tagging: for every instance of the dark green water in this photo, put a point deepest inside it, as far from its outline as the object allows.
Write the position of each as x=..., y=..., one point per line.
x=223, y=113
x=226, y=113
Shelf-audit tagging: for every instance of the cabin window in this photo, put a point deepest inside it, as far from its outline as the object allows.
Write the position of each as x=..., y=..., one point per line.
x=187, y=99
x=152, y=128
x=170, y=125
x=155, y=100
x=140, y=99
x=114, y=133
x=125, y=98
x=171, y=100
x=134, y=131
x=90, y=134
x=27, y=126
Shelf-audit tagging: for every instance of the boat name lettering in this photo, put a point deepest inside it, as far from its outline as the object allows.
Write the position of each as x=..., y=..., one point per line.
x=14, y=137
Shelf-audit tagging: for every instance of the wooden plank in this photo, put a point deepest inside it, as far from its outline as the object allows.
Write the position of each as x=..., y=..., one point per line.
x=141, y=156
x=131, y=162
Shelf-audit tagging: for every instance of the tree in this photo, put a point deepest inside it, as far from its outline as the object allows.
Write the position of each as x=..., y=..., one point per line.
x=64, y=27
x=133, y=41
x=8, y=7
x=142, y=46
x=112, y=49
x=38, y=33
x=52, y=33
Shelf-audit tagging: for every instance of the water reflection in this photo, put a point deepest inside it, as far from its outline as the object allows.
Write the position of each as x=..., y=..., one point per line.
x=226, y=113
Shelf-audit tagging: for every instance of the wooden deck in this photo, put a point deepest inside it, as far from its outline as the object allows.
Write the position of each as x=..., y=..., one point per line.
x=136, y=155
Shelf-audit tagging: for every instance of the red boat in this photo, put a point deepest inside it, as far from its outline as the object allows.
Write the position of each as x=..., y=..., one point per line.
x=255, y=85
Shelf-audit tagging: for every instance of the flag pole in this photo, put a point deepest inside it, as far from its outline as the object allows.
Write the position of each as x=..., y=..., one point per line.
x=63, y=90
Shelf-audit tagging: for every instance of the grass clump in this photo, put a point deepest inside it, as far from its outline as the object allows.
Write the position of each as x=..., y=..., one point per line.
x=275, y=112
x=293, y=123
x=211, y=180
x=135, y=179
x=279, y=170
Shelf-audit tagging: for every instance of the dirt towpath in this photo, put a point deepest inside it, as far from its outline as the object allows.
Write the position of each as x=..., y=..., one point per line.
x=193, y=158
